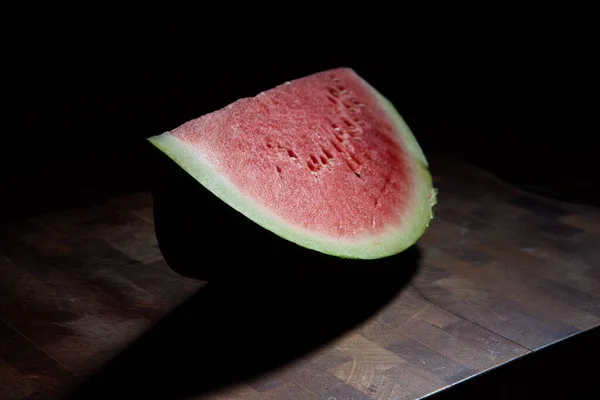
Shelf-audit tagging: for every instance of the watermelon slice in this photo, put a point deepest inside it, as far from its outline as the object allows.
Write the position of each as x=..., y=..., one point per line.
x=324, y=161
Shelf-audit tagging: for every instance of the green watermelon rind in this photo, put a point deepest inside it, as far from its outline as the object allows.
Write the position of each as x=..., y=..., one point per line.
x=392, y=241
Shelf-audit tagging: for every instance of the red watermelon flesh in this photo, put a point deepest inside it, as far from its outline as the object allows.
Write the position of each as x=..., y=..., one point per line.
x=324, y=161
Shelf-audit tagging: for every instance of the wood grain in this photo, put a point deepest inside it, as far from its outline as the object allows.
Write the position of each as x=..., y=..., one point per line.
x=503, y=273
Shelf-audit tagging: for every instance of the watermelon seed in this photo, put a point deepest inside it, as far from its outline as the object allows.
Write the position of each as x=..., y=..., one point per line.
x=278, y=169
x=334, y=92
x=332, y=100
x=292, y=154
x=348, y=123
x=357, y=103
x=336, y=145
x=356, y=158
x=314, y=159
x=323, y=159
x=311, y=166
x=357, y=174
x=269, y=145
x=327, y=153
x=350, y=166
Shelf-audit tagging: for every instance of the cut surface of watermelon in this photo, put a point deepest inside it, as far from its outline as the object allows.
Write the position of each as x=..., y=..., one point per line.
x=324, y=161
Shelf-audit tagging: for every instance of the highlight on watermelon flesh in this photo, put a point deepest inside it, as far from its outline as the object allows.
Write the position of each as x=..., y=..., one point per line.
x=324, y=161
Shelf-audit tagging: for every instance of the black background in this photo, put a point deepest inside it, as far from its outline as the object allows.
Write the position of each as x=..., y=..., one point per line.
x=80, y=97
x=510, y=92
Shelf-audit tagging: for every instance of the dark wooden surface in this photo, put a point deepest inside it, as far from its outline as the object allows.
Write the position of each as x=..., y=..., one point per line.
x=503, y=273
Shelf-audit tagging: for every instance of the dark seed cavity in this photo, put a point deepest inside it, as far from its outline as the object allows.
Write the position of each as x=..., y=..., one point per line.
x=336, y=145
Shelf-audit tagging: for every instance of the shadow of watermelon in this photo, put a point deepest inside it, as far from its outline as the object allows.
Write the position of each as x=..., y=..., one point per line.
x=267, y=302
